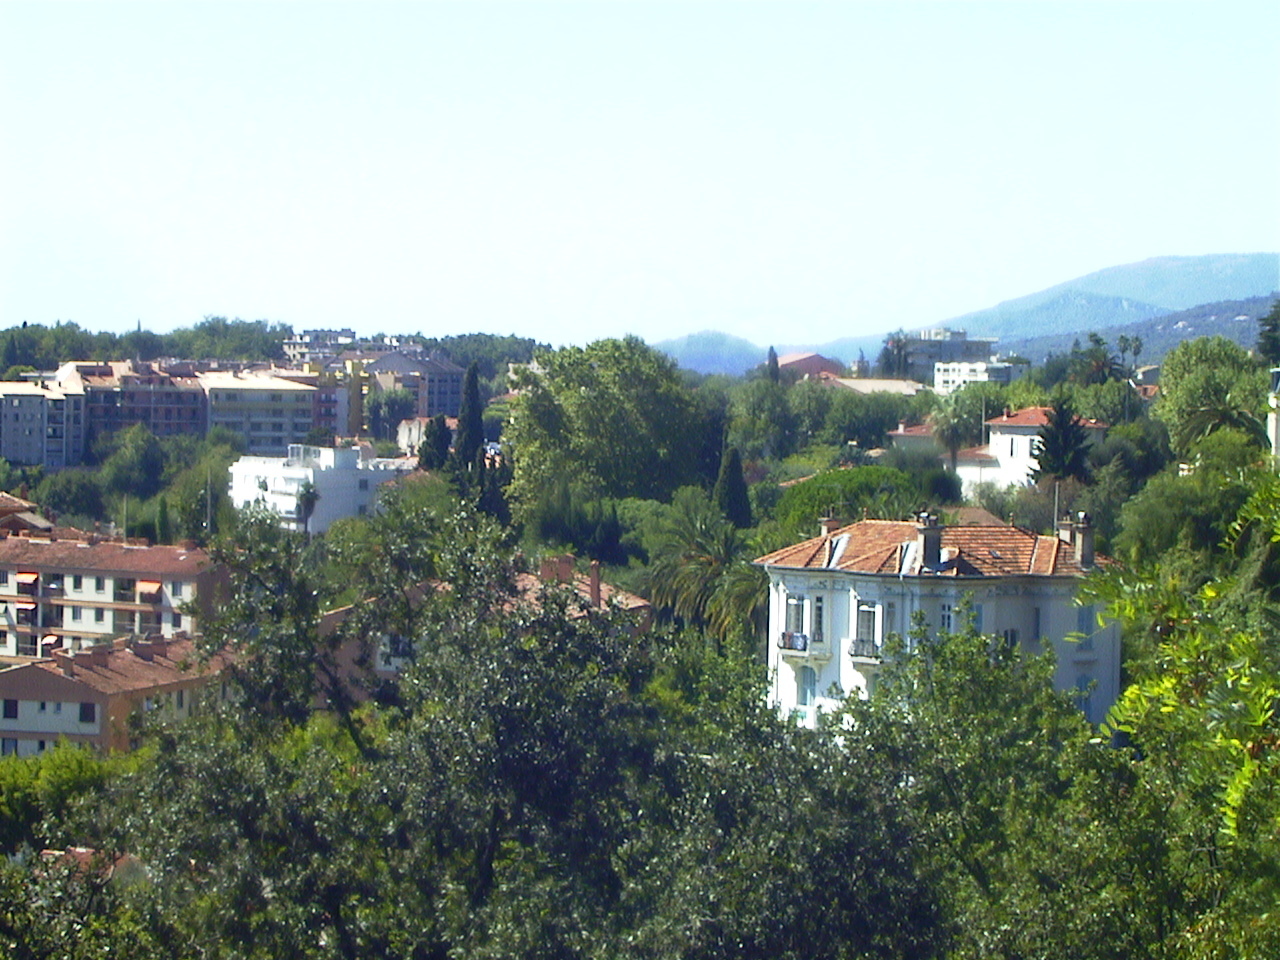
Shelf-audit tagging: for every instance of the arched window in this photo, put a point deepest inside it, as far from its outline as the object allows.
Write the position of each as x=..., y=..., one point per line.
x=806, y=686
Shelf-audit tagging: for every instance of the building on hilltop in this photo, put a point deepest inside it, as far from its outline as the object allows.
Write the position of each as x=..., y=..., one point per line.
x=121, y=393
x=341, y=482
x=42, y=423
x=91, y=696
x=270, y=412
x=834, y=599
x=77, y=593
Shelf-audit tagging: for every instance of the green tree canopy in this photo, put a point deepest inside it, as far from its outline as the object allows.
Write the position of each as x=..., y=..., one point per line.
x=614, y=415
x=1204, y=383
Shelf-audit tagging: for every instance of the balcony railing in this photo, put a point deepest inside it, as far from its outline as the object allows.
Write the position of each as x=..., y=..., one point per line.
x=864, y=649
x=794, y=642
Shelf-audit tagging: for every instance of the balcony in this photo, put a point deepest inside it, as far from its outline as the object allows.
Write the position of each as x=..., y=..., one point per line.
x=865, y=650
x=795, y=644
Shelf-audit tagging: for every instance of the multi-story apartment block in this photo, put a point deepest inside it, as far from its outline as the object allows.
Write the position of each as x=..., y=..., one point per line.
x=120, y=393
x=312, y=346
x=76, y=593
x=926, y=348
x=269, y=411
x=41, y=423
x=949, y=377
x=90, y=696
x=434, y=381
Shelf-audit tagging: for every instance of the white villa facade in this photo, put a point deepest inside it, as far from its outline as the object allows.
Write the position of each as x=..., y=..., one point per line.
x=345, y=485
x=1009, y=457
x=834, y=600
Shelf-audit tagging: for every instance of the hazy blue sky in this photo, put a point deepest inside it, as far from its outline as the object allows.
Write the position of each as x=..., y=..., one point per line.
x=786, y=172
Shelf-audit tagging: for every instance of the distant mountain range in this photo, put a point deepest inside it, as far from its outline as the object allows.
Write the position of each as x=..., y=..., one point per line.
x=1163, y=300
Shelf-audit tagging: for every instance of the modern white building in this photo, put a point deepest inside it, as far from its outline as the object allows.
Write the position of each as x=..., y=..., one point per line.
x=343, y=484
x=1010, y=455
x=834, y=600
x=948, y=377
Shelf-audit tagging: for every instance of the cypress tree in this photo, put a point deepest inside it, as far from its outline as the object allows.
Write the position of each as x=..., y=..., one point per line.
x=775, y=374
x=730, y=492
x=470, y=419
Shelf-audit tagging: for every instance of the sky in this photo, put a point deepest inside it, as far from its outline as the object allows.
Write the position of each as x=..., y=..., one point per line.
x=784, y=172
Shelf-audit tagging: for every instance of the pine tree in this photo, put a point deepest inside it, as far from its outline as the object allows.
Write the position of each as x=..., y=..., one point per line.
x=730, y=493
x=771, y=364
x=1269, y=336
x=1062, y=445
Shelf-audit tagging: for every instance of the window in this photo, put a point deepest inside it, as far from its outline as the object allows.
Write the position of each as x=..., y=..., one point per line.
x=8, y=746
x=364, y=483
x=818, y=624
x=795, y=614
x=100, y=584
x=1085, y=626
x=176, y=588
x=181, y=699
x=176, y=620
x=57, y=706
x=1035, y=623
x=4, y=578
x=77, y=582
x=944, y=618
x=890, y=617
x=99, y=615
x=43, y=706
x=1011, y=638
x=806, y=686
x=1084, y=692
x=76, y=613
x=11, y=709
x=88, y=712
x=866, y=623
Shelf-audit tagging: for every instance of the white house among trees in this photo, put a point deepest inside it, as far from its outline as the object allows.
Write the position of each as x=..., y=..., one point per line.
x=835, y=599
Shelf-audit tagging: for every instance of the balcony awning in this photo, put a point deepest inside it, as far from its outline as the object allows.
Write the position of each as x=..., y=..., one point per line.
x=24, y=605
x=146, y=587
x=28, y=577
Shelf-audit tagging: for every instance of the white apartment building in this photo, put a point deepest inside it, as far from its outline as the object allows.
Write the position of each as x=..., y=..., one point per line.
x=344, y=485
x=834, y=599
x=270, y=412
x=78, y=593
x=948, y=377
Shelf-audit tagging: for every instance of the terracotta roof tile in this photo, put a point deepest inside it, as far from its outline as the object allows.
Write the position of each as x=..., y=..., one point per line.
x=1037, y=417
x=880, y=547
x=106, y=557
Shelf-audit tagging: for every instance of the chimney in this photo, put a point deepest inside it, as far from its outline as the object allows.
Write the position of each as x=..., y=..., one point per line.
x=595, y=583
x=1084, y=541
x=929, y=538
x=1066, y=529
x=63, y=658
x=828, y=525
x=564, y=568
x=547, y=569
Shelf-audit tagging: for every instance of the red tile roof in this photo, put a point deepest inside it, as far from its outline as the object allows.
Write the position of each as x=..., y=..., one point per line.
x=889, y=547
x=143, y=665
x=104, y=557
x=1037, y=417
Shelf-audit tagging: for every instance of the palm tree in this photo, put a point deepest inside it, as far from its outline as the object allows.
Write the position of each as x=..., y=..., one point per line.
x=1218, y=413
x=950, y=428
x=700, y=572
x=307, y=496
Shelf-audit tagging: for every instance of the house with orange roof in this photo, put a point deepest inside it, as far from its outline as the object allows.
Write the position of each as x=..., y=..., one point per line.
x=802, y=365
x=89, y=696
x=1009, y=456
x=835, y=599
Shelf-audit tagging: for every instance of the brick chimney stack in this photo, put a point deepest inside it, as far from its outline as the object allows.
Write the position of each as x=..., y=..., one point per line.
x=929, y=538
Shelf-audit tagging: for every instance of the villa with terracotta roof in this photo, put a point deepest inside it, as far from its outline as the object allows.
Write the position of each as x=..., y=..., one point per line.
x=1009, y=457
x=834, y=599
